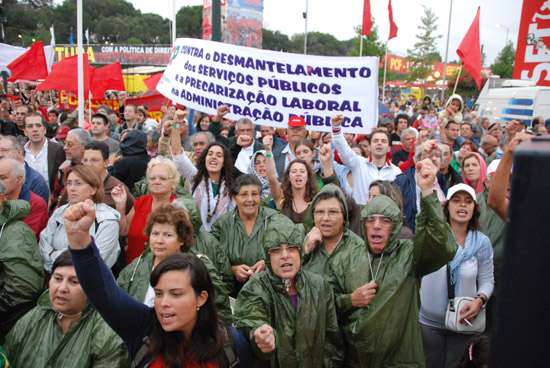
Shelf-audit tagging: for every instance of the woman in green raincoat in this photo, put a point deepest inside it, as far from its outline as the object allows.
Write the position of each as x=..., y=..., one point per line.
x=376, y=285
x=170, y=232
x=287, y=313
x=64, y=330
x=241, y=231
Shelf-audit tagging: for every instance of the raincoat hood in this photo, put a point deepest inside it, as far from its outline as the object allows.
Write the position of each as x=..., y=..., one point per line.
x=384, y=205
x=189, y=204
x=134, y=143
x=309, y=222
x=277, y=235
x=456, y=97
x=16, y=209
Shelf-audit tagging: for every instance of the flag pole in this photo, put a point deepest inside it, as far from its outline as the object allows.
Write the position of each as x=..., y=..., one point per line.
x=457, y=78
x=81, y=99
x=385, y=68
x=360, y=45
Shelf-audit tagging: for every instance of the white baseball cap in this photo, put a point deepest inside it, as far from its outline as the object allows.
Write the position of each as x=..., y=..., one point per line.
x=461, y=188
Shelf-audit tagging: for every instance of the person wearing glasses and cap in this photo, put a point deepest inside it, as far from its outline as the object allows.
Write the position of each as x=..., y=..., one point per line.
x=287, y=313
x=376, y=285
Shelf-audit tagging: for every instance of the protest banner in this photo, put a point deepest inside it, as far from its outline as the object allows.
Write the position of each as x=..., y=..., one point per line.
x=269, y=87
x=154, y=102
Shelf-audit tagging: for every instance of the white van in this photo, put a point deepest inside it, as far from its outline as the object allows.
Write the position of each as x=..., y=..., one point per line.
x=513, y=99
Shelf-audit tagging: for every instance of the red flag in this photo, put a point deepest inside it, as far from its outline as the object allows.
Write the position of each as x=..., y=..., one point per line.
x=152, y=81
x=107, y=77
x=64, y=76
x=367, y=21
x=393, y=26
x=31, y=65
x=469, y=51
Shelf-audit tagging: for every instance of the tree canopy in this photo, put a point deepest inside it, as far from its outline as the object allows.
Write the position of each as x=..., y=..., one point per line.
x=504, y=63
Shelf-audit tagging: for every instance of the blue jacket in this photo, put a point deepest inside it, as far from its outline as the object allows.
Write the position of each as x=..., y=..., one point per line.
x=407, y=183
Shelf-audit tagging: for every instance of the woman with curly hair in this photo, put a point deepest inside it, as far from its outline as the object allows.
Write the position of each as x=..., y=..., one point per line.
x=170, y=232
x=470, y=274
x=298, y=185
x=211, y=180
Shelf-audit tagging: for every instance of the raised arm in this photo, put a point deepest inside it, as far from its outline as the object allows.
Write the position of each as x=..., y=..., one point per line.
x=349, y=158
x=120, y=197
x=434, y=244
x=215, y=126
x=499, y=184
x=274, y=185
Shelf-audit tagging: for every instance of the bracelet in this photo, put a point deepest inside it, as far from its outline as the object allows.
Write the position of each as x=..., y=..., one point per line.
x=336, y=129
x=174, y=125
x=482, y=299
x=268, y=155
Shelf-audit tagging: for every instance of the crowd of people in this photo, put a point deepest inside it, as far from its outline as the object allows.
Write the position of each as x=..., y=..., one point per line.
x=209, y=242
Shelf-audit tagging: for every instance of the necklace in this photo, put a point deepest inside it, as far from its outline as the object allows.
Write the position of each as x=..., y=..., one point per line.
x=208, y=213
x=374, y=276
x=61, y=315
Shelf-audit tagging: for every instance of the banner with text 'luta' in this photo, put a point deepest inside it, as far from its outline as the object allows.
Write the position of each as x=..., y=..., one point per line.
x=269, y=87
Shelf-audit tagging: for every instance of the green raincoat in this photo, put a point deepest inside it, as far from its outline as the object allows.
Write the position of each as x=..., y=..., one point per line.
x=316, y=261
x=206, y=243
x=307, y=336
x=239, y=247
x=37, y=340
x=134, y=279
x=387, y=334
x=21, y=268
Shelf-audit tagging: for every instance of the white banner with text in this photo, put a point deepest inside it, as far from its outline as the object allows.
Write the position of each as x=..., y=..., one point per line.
x=269, y=87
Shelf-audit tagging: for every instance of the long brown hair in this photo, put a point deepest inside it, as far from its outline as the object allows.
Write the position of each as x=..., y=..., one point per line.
x=311, y=185
x=226, y=173
x=90, y=177
x=473, y=224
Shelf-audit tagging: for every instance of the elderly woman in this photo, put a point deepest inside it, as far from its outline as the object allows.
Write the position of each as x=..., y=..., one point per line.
x=241, y=231
x=474, y=170
x=82, y=183
x=287, y=313
x=170, y=232
x=162, y=178
x=64, y=330
x=471, y=274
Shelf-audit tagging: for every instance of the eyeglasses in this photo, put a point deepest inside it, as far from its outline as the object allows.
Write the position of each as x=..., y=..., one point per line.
x=331, y=213
x=76, y=183
x=385, y=220
x=279, y=250
x=5, y=150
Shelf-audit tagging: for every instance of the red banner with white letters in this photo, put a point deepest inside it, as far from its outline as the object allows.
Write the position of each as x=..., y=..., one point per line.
x=533, y=49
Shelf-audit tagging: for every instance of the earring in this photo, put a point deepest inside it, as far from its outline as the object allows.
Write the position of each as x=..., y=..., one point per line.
x=198, y=308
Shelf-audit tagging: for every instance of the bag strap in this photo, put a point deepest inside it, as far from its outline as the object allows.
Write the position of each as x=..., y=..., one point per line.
x=450, y=286
x=141, y=358
x=229, y=349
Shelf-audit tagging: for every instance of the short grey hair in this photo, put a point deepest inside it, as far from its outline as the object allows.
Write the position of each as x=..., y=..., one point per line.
x=2, y=188
x=17, y=168
x=154, y=135
x=82, y=136
x=15, y=144
x=419, y=149
x=243, y=121
x=467, y=117
x=409, y=131
x=209, y=136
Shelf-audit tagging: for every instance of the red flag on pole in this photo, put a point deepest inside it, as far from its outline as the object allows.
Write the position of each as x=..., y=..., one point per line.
x=31, y=65
x=152, y=81
x=64, y=76
x=367, y=21
x=105, y=78
x=469, y=51
x=393, y=26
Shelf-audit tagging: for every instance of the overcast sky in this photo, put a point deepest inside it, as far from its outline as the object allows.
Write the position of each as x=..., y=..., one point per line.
x=340, y=17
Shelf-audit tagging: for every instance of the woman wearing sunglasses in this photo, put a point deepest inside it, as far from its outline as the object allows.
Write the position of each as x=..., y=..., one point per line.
x=288, y=314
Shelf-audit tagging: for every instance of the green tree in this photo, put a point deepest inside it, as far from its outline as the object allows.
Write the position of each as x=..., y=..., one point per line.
x=275, y=40
x=424, y=53
x=372, y=46
x=189, y=22
x=318, y=44
x=504, y=63
x=466, y=87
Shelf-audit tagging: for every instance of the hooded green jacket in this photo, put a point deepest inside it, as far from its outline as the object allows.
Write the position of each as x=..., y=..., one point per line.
x=21, y=268
x=206, y=243
x=37, y=340
x=307, y=336
x=134, y=279
x=387, y=334
x=239, y=247
x=316, y=260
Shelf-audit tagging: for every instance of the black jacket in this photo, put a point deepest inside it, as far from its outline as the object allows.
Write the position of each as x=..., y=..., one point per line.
x=133, y=164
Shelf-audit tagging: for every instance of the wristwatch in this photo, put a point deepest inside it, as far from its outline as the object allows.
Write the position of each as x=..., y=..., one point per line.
x=479, y=296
